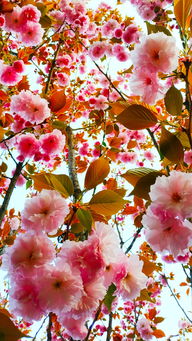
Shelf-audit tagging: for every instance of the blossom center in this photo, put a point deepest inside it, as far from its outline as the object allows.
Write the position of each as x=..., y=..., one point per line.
x=176, y=197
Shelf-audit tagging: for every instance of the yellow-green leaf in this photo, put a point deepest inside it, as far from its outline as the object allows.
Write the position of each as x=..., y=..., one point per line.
x=77, y=228
x=137, y=116
x=85, y=218
x=107, y=202
x=173, y=101
x=170, y=146
x=8, y=331
x=182, y=9
x=134, y=174
x=96, y=172
x=59, y=182
x=157, y=28
x=144, y=296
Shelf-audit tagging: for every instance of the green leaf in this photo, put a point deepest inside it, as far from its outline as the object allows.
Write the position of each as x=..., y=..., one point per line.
x=173, y=101
x=142, y=187
x=45, y=21
x=28, y=183
x=170, y=146
x=59, y=182
x=157, y=28
x=137, y=116
x=109, y=297
x=144, y=296
x=77, y=228
x=107, y=202
x=85, y=218
x=134, y=174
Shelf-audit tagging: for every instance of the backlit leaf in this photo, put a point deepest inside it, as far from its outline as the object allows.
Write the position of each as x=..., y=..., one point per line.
x=144, y=296
x=59, y=182
x=182, y=9
x=157, y=28
x=133, y=175
x=142, y=187
x=173, y=101
x=170, y=146
x=107, y=202
x=109, y=297
x=8, y=331
x=57, y=101
x=96, y=172
x=137, y=116
x=158, y=333
x=85, y=218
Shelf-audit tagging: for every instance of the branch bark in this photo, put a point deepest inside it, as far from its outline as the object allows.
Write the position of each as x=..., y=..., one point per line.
x=109, y=329
x=10, y=191
x=49, y=335
x=72, y=164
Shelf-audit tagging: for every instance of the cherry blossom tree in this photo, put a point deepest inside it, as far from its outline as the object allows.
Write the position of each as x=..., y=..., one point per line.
x=95, y=127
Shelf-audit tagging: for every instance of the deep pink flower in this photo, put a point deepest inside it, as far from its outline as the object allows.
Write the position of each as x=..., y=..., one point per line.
x=8, y=75
x=52, y=143
x=19, y=66
x=27, y=145
x=30, y=13
x=13, y=20
x=45, y=211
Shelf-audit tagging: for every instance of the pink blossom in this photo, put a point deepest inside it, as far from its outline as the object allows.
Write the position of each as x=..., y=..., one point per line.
x=166, y=232
x=148, y=155
x=84, y=149
x=188, y=157
x=146, y=12
x=31, y=107
x=108, y=28
x=2, y=20
x=101, y=103
x=118, y=33
x=122, y=56
x=130, y=285
x=8, y=75
x=144, y=329
x=28, y=252
x=45, y=211
x=127, y=157
x=19, y=66
x=85, y=256
x=60, y=288
x=97, y=50
x=157, y=52
x=64, y=61
x=173, y=192
x=75, y=327
x=130, y=35
x=24, y=299
x=146, y=84
x=13, y=20
x=53, y=143
x=30, y=13
x=27, y=145
x=63, y=79
x=31, y=34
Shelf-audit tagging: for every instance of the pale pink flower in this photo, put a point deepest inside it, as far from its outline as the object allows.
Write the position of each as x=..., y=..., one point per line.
x=146, y=84
x=101, y=103
x=24, y=299
x=31, y=107
x=144, y=329
x=28, y=252
x=108, y=28
x=45, y=211
x=53, y=143
x=146, y=12
x=188, y=157
x=130, y=285
x=97, y=50
x=164, y=231
x=13, y=20
x=122, y=56
x=174, y=192
x=75, y=327
x=157, y=52
x=85, y=256
x=31, y=34
x=148, y=155
x=60, y=288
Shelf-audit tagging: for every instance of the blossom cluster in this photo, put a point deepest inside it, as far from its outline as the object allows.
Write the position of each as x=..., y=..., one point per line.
x=72, y=282
x=149, y=10
x=155, y=53
x=166, y=219
x=24, y=21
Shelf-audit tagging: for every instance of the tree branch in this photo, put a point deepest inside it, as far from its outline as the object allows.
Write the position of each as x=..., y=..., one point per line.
x=72, y=165
x=109, y=329
x=49, y=336
x=10, y=191
x=92, y=324
x=52, y=67
x=134, y=239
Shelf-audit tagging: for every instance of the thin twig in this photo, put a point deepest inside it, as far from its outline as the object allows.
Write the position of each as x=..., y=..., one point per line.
x=52, y=67
x=176, y=299
x=37, y=332
x=109, y=329
x=10, y=191
x=92, y=324
x=49, y=335
x=134, y=239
